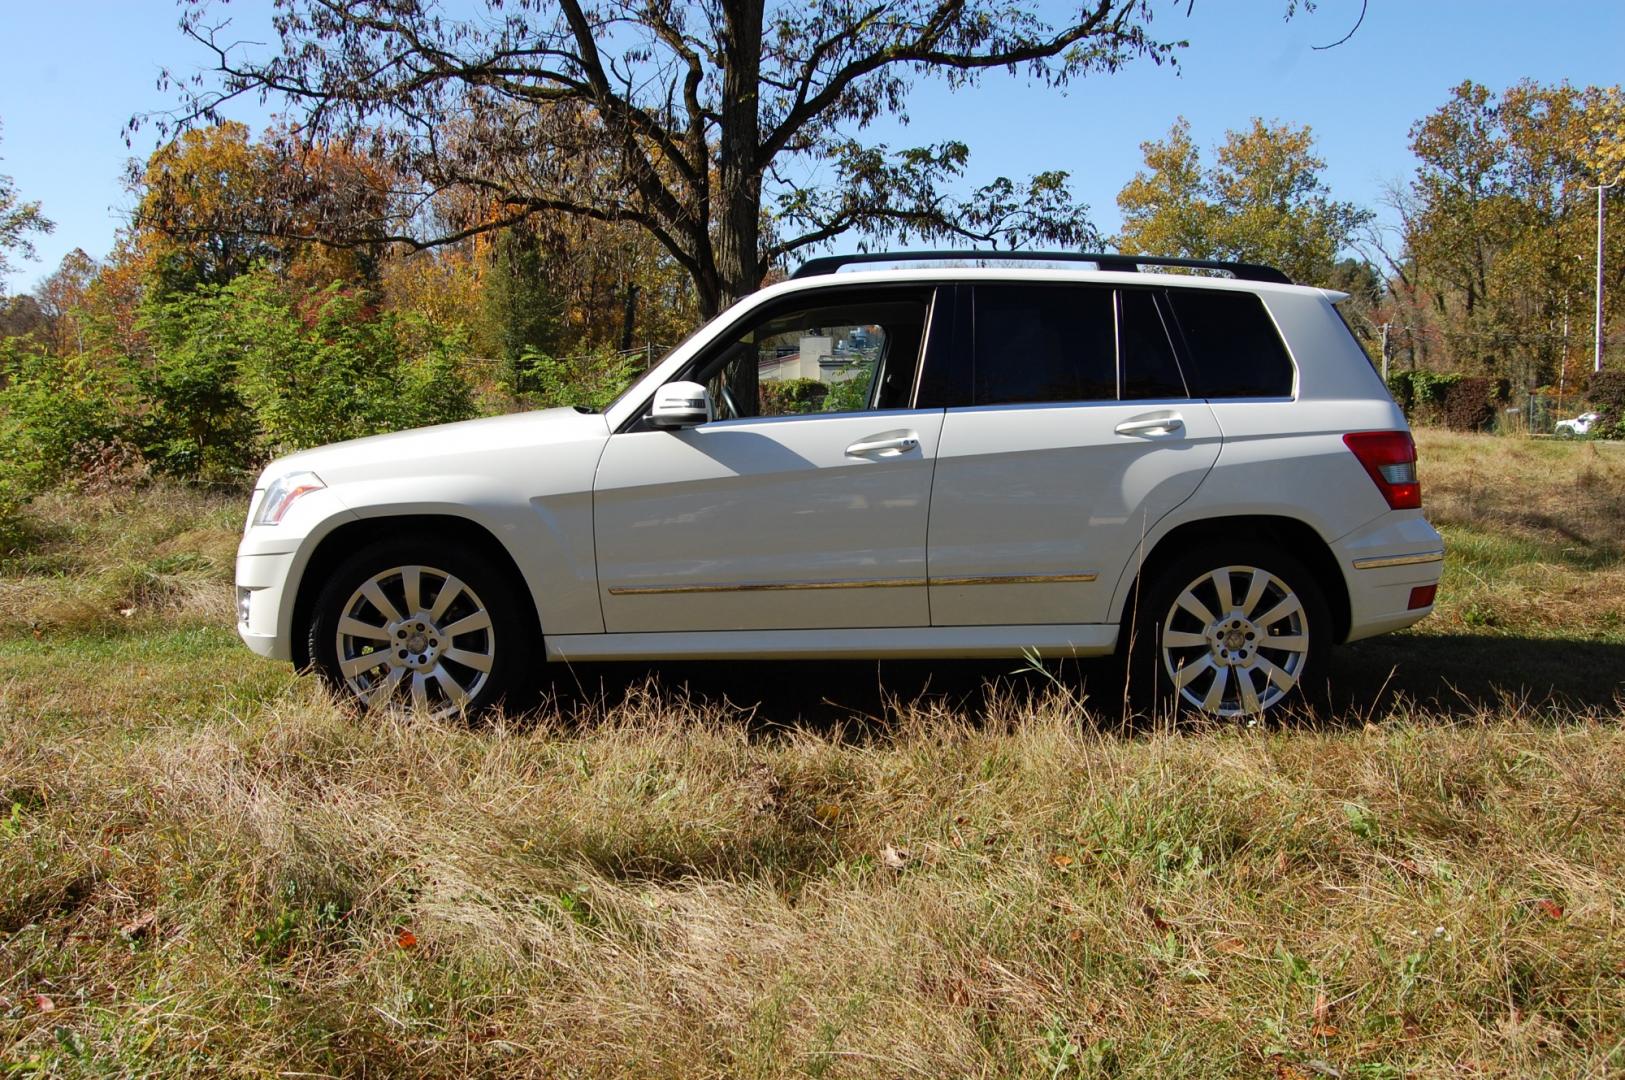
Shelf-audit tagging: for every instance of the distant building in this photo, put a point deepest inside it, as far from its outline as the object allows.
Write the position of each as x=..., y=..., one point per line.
x=821, y=358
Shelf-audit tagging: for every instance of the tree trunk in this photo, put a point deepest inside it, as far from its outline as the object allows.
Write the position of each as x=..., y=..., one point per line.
x=739, y=177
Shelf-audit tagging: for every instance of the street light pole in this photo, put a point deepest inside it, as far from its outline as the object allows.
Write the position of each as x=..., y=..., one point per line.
x=1602, y=204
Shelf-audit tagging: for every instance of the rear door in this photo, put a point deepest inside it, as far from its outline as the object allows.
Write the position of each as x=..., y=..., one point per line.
x=1074, y=435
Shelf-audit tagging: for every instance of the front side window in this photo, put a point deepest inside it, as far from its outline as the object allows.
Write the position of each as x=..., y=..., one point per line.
x=840, y=355
x=1044, y=343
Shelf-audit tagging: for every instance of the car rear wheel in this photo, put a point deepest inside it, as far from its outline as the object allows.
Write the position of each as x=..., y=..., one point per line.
x=427, y=625
x=1239, y=628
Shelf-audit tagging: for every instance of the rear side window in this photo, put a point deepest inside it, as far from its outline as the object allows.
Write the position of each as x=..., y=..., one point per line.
x=1149, y=367
x=1044, y=344
x=1232, y=348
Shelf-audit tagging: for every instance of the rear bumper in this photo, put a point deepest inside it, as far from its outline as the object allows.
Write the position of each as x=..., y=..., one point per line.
x=1383, y=563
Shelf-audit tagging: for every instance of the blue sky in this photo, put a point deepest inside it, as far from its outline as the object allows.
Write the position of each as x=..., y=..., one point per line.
x=76, y=70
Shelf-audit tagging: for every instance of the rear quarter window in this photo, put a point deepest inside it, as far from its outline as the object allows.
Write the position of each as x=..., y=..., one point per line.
x=1232, y=349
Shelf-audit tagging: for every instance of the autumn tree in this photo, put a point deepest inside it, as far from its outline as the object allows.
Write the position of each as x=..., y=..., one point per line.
x=214, y=203
x=63, y=299
x=692, y=122
x=1263, y=200
x=1498, y=224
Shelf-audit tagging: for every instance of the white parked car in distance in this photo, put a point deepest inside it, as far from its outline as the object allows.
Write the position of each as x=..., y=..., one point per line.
x=1580, y=425
x=923, y=461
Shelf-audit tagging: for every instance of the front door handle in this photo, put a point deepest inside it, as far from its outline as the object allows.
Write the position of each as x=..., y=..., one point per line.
x=894, y=444
x=1152, y=425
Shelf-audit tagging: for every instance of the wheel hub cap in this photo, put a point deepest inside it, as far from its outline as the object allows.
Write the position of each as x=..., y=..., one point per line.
x=417, y=642
x=1233, y=639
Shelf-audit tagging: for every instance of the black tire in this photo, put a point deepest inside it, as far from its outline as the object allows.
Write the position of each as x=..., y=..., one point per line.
x=1161, y=643
x=446, y=671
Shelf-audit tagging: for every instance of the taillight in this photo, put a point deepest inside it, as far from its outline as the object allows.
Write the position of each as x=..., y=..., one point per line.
x=1389, y=458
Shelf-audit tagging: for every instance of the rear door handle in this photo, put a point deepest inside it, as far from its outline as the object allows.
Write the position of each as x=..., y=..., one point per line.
x=1152, y=425
x=896, y=444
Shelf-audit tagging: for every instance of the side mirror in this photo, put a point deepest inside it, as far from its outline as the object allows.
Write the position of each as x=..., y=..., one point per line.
x=680, y=405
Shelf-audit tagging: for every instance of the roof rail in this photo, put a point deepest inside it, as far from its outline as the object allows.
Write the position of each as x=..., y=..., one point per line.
x=1243, y=271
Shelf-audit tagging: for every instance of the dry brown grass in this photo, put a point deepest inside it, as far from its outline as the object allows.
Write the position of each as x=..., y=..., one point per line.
x=155, y=555
x=1536, y=531
x=657, y=890
x=206, y=868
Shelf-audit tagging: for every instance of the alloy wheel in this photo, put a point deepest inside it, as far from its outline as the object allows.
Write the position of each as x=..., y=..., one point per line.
x=1235, y=641
x=415, y=633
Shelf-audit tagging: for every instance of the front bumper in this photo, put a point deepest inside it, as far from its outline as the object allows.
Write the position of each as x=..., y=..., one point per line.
x=261, y=581
x=1383, y=562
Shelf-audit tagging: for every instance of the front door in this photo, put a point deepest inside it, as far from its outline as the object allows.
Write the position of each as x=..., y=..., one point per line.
x=804, y=504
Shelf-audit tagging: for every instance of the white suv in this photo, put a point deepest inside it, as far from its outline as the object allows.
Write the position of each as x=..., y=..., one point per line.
x=1202, y=472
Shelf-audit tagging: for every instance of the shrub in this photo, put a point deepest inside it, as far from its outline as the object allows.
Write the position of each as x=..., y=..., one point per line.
x=194, y=422
x=1468, y=404
x=55, y=413
x=1606, y=391
x=56, y=416
x=787, y=396
x=1421, y=394
x=1402, y=388
x=321, y=367
x=592, y=380
x=254, y=368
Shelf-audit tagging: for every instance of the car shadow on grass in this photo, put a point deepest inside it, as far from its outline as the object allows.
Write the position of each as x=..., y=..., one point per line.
x=1444, y=675
x=1464, y=674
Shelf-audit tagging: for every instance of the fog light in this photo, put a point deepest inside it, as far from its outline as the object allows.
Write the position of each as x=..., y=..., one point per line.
x=1422, y=596
x=242, y=604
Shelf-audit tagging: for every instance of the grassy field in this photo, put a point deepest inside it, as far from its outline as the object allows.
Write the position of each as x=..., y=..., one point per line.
x=207, y=868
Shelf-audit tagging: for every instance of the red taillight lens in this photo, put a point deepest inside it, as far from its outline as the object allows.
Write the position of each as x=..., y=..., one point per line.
x=1389, y=458
x=1422, y=596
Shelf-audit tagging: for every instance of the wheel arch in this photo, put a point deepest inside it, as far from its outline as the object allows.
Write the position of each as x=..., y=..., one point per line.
x=346, y=539
x=1296, y=537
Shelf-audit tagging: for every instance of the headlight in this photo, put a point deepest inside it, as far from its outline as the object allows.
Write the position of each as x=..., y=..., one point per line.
x=282, y=493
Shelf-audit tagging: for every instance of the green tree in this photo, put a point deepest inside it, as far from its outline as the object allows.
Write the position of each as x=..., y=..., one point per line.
x=18, y=220
x=520, y=303
x=689, y=120
x=1263, y=200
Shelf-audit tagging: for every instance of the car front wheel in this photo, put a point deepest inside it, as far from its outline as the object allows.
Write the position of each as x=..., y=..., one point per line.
x=432, y=626
x=1239, y=628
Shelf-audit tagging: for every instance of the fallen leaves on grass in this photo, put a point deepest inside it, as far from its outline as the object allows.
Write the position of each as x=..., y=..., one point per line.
x=139, y=926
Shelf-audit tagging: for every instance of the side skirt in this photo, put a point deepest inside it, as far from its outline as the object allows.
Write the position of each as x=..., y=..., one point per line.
x=1083, y=639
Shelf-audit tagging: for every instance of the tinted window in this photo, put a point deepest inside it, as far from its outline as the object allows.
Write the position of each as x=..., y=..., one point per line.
x=1232, y=348
x=1044, y=344
x=843, y=355
x=1149, y=367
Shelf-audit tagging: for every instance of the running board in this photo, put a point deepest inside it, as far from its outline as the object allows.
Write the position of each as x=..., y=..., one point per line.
x=1081, y=639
